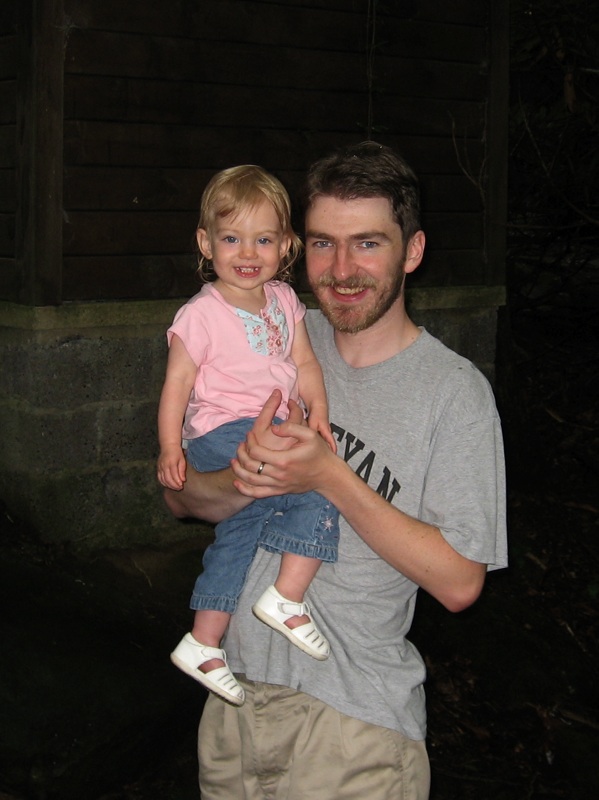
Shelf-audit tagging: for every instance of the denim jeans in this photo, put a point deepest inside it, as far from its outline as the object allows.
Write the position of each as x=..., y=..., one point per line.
x=304, y=524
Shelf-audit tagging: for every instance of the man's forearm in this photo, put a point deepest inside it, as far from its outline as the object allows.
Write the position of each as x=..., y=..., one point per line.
x=415, y=548
x=210, y=496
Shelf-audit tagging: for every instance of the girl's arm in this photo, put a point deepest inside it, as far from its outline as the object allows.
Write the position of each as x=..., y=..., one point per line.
x=311, y=385
x=180, y=377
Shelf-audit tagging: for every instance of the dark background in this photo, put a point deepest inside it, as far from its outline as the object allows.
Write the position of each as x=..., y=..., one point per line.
x=512, y=689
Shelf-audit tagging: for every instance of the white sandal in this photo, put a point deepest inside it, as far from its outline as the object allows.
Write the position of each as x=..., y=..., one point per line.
x=190, y=654
x=274, y=609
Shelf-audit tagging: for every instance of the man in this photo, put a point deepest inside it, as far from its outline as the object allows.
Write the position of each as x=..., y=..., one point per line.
x=418, y=479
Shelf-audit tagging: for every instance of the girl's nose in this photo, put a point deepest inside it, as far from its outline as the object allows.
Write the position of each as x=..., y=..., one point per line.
x=247, y=248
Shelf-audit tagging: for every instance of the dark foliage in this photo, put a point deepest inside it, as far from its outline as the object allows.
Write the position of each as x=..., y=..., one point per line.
x=554, y=157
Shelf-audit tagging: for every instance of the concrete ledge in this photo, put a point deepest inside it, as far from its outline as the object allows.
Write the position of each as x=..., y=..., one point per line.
x=160, y=312
x=461, y=297
x=88, y=315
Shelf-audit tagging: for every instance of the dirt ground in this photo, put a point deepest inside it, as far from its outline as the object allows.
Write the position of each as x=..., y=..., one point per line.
x=91, y=709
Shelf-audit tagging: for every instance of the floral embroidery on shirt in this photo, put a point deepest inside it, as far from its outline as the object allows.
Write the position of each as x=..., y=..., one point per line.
x=268, y=333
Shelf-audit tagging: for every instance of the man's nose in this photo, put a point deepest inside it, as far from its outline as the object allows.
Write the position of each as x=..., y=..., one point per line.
x=342, y=266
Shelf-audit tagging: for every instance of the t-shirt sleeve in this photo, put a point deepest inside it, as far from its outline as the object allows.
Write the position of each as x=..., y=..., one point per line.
x=189, y=327
x=464, y=494
x=293, y=305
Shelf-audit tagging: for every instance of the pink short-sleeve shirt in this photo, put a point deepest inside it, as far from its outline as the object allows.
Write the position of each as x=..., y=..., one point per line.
x=240, y=357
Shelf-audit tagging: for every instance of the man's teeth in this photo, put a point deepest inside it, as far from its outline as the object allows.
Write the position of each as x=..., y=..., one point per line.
x=344, y=290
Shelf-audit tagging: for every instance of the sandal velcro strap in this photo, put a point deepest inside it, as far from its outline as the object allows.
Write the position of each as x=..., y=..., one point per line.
x=290, y=609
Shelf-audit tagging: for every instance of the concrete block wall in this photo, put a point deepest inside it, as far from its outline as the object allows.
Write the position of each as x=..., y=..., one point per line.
x=79, y=389
x=464, y=318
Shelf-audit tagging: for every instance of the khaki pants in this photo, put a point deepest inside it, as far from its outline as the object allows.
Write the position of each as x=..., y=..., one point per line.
x=285, y=745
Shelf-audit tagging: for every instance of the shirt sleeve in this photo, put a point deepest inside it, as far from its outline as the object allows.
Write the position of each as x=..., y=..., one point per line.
x=189, y=327
x=294, y=308
x=465, y=486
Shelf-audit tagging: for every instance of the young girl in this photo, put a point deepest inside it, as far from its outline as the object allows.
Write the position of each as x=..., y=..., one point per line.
x=241, y=337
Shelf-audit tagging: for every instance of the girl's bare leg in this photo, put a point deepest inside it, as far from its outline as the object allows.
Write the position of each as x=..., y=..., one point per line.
x=295, y=576
x=209, y=628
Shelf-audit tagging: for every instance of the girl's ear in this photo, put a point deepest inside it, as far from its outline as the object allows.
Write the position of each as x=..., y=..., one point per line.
x=204, y=242
x=285, y=245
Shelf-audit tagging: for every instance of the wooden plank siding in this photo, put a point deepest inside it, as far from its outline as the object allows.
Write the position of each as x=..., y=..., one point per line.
x=8, y=110
x=158, y=96
x=39, y=162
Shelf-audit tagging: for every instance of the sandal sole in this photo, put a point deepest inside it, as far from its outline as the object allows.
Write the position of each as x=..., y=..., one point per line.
x=204, y=679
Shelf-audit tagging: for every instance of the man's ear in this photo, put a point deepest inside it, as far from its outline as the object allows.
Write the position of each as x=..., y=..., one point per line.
x=415, y=251
x=203, y=241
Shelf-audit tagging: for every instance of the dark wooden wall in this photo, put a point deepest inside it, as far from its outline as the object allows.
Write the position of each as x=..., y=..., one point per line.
x=139, y=103
x=8, y=111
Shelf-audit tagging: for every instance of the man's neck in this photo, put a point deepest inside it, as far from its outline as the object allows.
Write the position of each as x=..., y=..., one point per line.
x=393, y=333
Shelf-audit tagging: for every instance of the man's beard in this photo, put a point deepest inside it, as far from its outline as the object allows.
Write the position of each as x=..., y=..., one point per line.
x=347, y=319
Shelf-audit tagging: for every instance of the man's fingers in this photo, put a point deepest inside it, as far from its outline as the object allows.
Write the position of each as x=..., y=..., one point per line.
x=295, y=413
x=266, y=416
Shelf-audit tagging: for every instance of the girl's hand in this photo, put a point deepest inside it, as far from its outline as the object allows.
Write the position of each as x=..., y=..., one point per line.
x=321, y=425
x=172, y=468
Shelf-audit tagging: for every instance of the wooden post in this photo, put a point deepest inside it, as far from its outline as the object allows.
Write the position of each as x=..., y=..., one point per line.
x=40, y=106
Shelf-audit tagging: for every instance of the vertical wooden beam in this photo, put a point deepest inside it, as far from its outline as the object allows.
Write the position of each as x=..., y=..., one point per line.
x=497, y=138
x=40, y=108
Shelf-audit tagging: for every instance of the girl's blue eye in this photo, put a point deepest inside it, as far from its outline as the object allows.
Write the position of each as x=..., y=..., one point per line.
x=263, y=240
x=230, y=239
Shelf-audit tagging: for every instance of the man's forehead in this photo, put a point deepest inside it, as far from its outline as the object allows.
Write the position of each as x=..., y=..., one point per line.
x=359, y=213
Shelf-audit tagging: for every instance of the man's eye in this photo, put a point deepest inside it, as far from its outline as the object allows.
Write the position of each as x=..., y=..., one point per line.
x=368, y=245
x=321, y=244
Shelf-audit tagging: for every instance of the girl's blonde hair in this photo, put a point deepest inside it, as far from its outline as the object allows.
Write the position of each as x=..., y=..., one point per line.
x=236, y=189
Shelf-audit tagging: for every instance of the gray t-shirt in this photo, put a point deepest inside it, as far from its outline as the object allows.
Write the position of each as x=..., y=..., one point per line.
x=422, y=429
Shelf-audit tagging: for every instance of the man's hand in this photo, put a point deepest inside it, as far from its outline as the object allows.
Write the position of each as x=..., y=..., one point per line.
x=304, y=464
x=264, y=432
x=212, y=496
